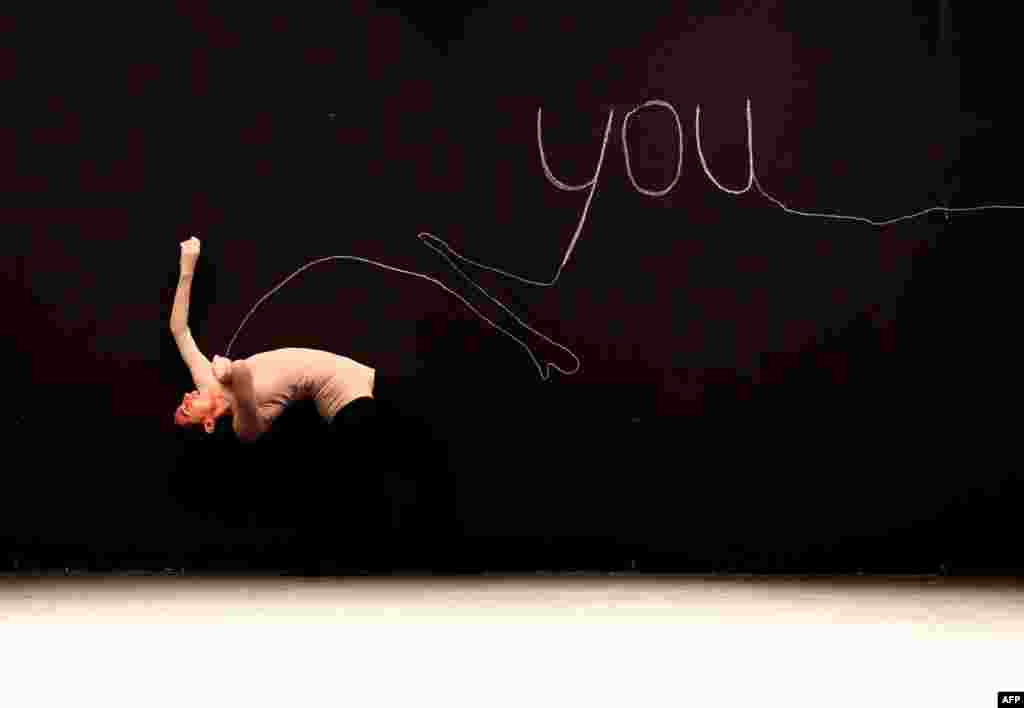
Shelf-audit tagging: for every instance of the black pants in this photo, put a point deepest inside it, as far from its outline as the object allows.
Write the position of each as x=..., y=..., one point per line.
x=390, y=431
x=391, y=470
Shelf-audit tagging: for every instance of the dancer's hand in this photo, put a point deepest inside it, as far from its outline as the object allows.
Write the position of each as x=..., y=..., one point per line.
x=222, y=369
x=189, y=255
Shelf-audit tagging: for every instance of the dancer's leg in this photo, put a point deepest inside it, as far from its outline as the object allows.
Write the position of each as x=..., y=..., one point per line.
x=392, y=477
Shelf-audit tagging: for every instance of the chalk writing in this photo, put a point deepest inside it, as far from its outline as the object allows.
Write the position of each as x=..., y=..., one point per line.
x=444, y=250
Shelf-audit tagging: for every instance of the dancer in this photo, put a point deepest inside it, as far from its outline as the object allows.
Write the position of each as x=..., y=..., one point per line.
x=385, y=473
x=256, y=390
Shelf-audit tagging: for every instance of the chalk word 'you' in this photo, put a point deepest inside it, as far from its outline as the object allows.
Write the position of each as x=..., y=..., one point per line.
x=447, y=252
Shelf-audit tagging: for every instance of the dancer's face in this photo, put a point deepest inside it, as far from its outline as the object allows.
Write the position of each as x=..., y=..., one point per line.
x=198, y=404
x=201, y=408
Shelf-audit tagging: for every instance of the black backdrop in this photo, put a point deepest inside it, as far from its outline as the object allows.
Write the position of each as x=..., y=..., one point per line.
x=758, y=390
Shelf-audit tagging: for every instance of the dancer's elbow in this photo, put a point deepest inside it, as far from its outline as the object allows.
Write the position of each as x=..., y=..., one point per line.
x=247, y=431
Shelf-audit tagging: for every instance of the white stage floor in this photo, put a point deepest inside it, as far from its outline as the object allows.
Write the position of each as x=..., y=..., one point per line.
x=512, y=641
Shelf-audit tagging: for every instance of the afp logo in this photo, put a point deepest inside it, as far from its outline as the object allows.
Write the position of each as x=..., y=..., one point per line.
x=1011, y=698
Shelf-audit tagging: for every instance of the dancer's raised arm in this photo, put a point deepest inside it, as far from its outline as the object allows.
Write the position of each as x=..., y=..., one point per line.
x=197, y=363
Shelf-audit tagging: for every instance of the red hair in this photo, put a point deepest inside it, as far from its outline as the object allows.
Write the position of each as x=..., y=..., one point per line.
x=183, y=417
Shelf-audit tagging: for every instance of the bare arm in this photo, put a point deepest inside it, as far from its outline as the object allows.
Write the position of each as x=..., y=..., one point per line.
x=179, y=313
x=189, y=256
x=198, y=364
x=237, y=378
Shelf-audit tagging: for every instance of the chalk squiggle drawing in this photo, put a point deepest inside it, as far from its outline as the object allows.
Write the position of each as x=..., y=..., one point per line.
x=545, y=370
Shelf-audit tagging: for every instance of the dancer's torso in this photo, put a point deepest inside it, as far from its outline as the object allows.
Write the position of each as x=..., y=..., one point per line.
x=283, y=376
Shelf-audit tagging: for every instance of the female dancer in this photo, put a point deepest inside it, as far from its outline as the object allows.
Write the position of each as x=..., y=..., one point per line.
x=392, y=461
x=256, y=390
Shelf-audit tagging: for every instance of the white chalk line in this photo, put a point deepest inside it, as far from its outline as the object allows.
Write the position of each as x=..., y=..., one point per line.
x=545, y=368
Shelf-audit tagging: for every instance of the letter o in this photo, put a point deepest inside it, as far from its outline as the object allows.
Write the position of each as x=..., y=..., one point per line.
x=625, y=149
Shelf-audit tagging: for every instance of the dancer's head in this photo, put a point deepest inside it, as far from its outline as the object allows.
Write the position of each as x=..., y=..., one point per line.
x=203, y=408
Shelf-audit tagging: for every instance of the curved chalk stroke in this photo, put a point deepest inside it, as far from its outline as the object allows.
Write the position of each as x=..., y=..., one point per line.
x=545, y=369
